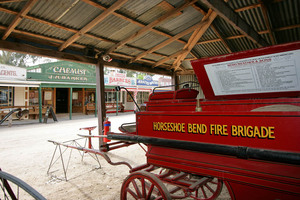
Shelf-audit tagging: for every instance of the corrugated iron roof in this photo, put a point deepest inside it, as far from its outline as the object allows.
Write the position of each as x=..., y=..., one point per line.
x=124, y=31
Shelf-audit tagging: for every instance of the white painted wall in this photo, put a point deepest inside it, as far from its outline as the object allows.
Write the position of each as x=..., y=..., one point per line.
x=19, y=96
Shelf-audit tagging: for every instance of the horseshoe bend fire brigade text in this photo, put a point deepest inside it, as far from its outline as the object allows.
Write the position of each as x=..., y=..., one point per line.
x=261, y=132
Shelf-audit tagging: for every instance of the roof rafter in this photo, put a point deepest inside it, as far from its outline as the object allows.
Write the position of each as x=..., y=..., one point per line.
x=168, y=41
x=224, y=11
x=198, y=33
x=18, y=18
x=169, y=58
x=10, y=1
x=266, y=16
x=133, y=21
x=93, y=23
x=215, y=30
x=63, y=28
x=151, y=25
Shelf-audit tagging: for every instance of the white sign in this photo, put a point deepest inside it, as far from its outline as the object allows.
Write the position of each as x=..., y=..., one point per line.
x=277, y=72
x=120, y=81
x=8, y=72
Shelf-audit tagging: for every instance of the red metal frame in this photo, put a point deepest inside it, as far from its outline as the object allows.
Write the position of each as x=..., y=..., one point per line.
x=256, y=153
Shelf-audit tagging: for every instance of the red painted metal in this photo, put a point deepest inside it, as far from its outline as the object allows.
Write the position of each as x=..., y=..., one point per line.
x=227, y=121
x=90, y=133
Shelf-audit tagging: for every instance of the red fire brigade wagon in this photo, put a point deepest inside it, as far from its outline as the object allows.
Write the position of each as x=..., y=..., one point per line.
x=244, y=135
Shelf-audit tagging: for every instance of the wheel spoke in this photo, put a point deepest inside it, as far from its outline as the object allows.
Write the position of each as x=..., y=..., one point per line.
x=204, y=193
x=144, y=185
x=209, y=188
x=133, y=194
x=18, y=189
x=136, y=187
x=150, y=191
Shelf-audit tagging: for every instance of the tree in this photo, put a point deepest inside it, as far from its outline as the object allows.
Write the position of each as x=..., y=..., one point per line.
x=17, y=59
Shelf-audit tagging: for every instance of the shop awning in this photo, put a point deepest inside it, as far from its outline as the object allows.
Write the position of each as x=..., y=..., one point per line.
x=19, y=83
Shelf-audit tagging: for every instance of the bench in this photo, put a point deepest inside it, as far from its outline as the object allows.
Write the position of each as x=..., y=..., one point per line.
x=34, y=112
x=108, y=106
x=89, y=107
x=113, y=106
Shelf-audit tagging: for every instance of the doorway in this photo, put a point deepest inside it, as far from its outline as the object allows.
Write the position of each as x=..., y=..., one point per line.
x=62, y=100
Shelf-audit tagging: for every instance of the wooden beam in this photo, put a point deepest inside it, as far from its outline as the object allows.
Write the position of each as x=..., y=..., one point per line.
x=137, y=67
x=93, y=23
x=18, y=18
x=29, y=49
x=10, y=1
x=133, y=21
x=214, y=29
x=64, y=28
x=248, y=7
x=57, y=42
x=187, y=72
x=224, y=11
x=169, y=58
x=46, y=38
x=151, y=25
x=142, y=61
x=267, y=21
x=198, y=33
x=287, y=27
x=168, y=41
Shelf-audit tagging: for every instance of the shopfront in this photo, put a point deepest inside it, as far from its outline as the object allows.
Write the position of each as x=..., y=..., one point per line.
x=65, y=86
x=71, y=88
x=14, y=90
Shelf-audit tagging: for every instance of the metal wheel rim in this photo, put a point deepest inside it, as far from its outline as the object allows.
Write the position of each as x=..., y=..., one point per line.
x=144, y=185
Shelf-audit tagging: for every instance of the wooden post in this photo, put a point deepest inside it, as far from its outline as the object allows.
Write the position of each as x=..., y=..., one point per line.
x=100, y=99
x=175, y=81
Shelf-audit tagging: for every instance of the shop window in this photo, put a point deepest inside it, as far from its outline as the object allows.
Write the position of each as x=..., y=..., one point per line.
x=90, y=96
x=129, y=99
x=33, y=97
x=142, y=97
x=6, y=96
x=123, y=97
x=110, y=97
x=47, y=97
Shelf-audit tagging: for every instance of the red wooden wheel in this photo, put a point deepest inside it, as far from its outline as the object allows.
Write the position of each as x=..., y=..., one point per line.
x=144, y=185
x=209, y=190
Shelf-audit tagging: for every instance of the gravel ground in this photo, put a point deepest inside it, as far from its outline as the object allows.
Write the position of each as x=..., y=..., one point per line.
x=26, y=153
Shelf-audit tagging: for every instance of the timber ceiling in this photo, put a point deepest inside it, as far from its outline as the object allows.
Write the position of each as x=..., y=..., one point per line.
x=145, y=35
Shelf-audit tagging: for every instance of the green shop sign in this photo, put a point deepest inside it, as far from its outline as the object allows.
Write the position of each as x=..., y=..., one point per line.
x=63, y=71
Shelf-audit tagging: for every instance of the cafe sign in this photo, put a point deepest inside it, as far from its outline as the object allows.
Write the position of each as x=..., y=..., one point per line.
x=8, y=72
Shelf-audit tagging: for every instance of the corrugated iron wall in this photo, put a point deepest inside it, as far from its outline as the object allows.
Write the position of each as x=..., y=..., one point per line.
x=192, y=78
